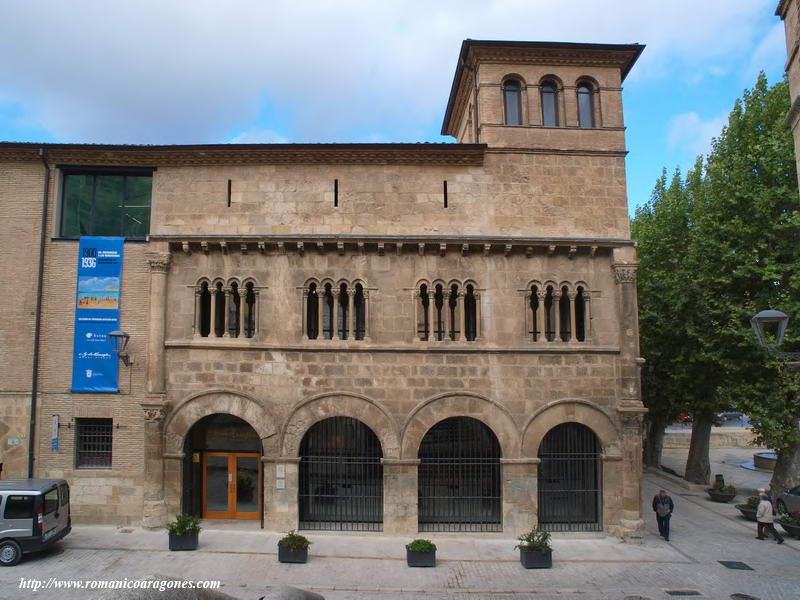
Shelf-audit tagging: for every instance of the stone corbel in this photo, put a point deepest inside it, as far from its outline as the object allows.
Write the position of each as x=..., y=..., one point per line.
x=340, y=248
x=442, y=249
x=243, y=248
x=421, y=248
x=487, y=248
x=573, y=250
x=507, y=250
x=301, y=248
x=185, y=247
x=381, y=248
x=528, y=251
x=321, y=247
x=262, y=247
x=204, y=247
x=464, y=249
x=223, y=245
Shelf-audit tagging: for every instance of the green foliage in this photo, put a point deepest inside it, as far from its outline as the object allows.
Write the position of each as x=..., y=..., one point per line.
x=534, y=541
x=294, y=541
x=724, y=489
x=752, y=502
x=714, y=248
x=790, y=518
x=184, y=525
x=421, y=546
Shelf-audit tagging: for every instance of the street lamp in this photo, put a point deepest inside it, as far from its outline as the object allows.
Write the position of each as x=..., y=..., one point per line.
x=119, y=342
x=777, y=320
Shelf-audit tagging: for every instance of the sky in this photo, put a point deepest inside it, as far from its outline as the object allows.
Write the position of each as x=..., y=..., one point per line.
x=252, y=71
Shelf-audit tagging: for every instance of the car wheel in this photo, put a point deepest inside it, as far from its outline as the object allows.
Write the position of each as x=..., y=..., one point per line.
x=781, y=507
x=10, y=553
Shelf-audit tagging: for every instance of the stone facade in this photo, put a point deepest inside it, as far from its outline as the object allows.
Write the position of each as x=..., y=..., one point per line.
x=789, y=12
x=527, y=207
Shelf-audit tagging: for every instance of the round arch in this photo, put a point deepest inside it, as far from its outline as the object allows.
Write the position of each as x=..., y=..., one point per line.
x=462, y=404
x=339, y=404
x=565, y=411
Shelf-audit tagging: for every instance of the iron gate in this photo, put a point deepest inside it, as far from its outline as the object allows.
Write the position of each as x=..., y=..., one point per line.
x=459, y=477
x=341, y=477
x=570, y=480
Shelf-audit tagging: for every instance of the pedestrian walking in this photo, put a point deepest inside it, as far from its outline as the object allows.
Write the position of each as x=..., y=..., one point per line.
x=765, y=520
x=663, y=507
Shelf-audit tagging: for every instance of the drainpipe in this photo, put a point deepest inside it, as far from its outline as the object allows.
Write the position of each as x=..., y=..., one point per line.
x=37, y=328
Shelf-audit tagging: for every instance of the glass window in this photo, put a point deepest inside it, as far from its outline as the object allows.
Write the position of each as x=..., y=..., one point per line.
x=549, y=106
x=106, y=203
x=93, y=439
x=51, y=501
x=19, y=507
x=512, y=94
x=63, y=491
x=585, y=106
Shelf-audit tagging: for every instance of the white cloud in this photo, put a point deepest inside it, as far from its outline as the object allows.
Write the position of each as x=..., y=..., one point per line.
x=771, y=51
x=688, y=131
x=181, y=72
x=259, y=136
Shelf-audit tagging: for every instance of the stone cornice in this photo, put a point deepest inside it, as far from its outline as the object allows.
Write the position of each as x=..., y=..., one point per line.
x=248, y=154
x=794, y=112
x=783, y=6
x=381, y=244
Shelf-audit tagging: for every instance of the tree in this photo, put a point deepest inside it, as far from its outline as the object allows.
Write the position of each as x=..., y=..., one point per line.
x=741, y=254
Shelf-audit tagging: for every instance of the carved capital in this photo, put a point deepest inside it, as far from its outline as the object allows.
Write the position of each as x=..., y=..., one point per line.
x=625, y=272
x=158, y=261
x=154, y=411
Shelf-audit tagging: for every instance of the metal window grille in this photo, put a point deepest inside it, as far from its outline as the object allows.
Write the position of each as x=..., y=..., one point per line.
x=93, y=443
x=460, y=477
x=341, y=477
x=570, y=480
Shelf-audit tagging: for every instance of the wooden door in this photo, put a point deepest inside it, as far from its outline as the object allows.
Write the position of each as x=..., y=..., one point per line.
x=231, y=485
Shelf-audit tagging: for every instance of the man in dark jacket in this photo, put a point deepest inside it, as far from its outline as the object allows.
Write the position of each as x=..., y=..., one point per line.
x=663, y=507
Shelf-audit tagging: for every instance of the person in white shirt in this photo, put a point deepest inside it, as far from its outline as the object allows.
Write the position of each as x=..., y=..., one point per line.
x=764, y=518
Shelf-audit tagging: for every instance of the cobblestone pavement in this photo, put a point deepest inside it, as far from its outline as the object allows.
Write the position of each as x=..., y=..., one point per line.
x=364, y=567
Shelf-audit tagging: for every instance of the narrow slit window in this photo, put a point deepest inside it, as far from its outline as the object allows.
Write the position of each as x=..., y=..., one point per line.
x=549, y=104
x=219, y=311
x=250, y=310
x=205, y=310
x=327, y=324
x=335, y=193
x=585, y=106
x=564, y=315
x=445, y=192
x=234, y=311
x=534, y=332
x=580, y=315
x=470, y=314
x=549, y=315
x=512, y=97
x=312, y=312
x=344, y=311
x=423, y=317
x=360, y=307
x=438, y=301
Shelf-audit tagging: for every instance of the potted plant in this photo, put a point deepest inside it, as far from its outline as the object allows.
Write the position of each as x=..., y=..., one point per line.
x=749, y=508
x=722, y=493
x=293, y=548
x=183, y=532
x=535, y=551
x=421, y=553
x=790, y=523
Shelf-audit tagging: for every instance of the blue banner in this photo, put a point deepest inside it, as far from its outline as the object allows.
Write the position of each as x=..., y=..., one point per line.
x=94, y=363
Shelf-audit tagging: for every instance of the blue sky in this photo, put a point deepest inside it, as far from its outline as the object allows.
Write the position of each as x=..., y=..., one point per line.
x=205, y=71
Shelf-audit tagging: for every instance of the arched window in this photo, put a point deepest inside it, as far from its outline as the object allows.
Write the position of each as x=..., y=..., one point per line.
x=549, y=315
x=534, y=307
x=452, y=303
x=459, y=477
x=512, y=98
x=219, y=311
x=423, y=316
x=570, y=479
x=580, y=315
x=438, y=303
x=249, y=309
x=360, y=308
x=343, y=312
x=234, y=310
x=312, y=312
x=549, y=94
x=564, y=316
x=327, y=318
x=204, y=322
x=470, y=314
x=341, y=477
x=585, y=106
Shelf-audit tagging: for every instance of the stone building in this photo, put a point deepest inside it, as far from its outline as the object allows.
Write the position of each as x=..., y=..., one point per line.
x=789, y=12
x=390, y=337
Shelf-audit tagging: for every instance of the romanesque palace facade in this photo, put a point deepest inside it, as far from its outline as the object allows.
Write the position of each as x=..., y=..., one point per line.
x=368, y=337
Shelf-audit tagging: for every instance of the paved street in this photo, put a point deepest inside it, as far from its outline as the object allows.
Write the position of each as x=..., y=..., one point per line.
x=361, y=567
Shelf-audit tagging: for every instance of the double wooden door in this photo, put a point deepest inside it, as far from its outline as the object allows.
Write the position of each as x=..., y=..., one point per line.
x=231, y=485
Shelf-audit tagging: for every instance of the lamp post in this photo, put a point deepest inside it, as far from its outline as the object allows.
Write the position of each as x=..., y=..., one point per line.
x=778, y=320
x=119, y=342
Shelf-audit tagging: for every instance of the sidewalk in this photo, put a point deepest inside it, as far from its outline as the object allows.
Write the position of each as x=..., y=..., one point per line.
x=372, y=567
x=726, y=461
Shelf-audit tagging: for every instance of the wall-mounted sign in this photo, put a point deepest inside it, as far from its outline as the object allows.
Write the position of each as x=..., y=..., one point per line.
x=94, y=363
x=13, y=441
x=54, y=435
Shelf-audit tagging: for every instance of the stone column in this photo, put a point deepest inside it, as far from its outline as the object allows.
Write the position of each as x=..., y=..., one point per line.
x=432, y=316
x=227, y=312
x=557, y=311
x=588, y=333
x=520, y=494
x=198, y=311
x=213, y=327
x=336, y=333
x=573, y=324
x=540, y=320
x=244, y=313
x=351, y=299
x=154, y=507
x=400, y=496
x=461, y=306
x=448, y=330
x=159, y=266
x=631, y=523
x=320, y=314
x=366, y=316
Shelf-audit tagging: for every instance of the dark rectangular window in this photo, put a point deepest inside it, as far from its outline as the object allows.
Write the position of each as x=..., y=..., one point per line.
x=63, y=492
x=51, y=501
x=93, y=443
x=19, y=507
x=106, y=202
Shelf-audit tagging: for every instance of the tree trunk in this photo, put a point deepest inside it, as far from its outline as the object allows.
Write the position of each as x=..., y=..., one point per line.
x=655, y=442
x=698, y=468
x=787, y=470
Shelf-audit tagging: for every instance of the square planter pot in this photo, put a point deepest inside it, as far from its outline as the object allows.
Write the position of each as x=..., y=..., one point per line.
x=286, y=555
x=747, y=512
x=718, y=497
x=792, y=530
x=421, y=559
x=536, y=560
x=187, y=541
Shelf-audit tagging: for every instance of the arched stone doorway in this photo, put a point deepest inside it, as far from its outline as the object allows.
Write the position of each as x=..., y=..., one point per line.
x=341, y=477
x=460, y=486
x=570, y=479
x=222, y=474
